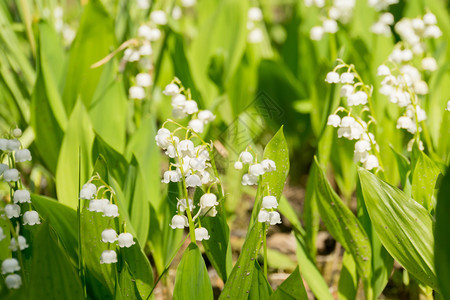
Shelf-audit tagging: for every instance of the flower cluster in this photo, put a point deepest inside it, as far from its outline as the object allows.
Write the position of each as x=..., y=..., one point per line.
x=184, y=106
x=267, y=214
x=255, y=169
x=68, y=33
x=351, y=126
x=339, y=11
x=20, y=210
x=105, y=206
x=255, y=16
x=193, y=166
x=382, y=4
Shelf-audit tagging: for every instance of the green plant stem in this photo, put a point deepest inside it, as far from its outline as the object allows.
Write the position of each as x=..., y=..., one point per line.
x=19, y=252
x=265, y=249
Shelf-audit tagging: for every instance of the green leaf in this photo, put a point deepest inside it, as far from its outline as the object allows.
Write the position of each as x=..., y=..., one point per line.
x=403, y=169
x=126, y=288
x=348, y=278
x=192, y=280
x=404, y=227
x=241, y=277
x=108, y=109
x=76, y=145
x=52, y=275
x=424, y=180
x=343, y=225
x=94, y=40
x=260, y=288
x=63, y=220
x=291, y=288
x=442, y=237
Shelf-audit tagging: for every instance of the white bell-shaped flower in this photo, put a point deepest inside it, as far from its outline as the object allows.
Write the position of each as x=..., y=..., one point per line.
x=246, y=157
x=171, y=151
x=13, y=145
x=146, y=50
x=188, y=3
x=171, y=89
x=201, y=234
x=179, y=222
x=98, y=205
x=255, y=14
x=163, y=138
x=178, y=101
x=208, y=200
x=206, y=116
x=256, y=170
x=347, y=77
x=181, y=205
x=209, y=212
x=362, y=146
x=334, y=120
x=263, y=216
x=268, y=165
x=22, y=196
x=238, y=165
x=332, y=77
x=108, y=257
x=196, y=125
x=330, y=26
x=316, y=33
x=17, y=132
x=109, y=235
x=22, y=244
x=88, y=191
x=3, y=168
x=12, y=211
x=171, y=176
x=248, y=179
x=11, y=175
x=274, y=218
x=360, y=156
x=371, y=162
x=197, y=164
x=346, y=90
x=190, y=107
x=429, y=64
x=23, y=155
x=186, y=148
x=31, y=218
x=144, y=31
x=193, y=180
x=13, y=281
x=269, y=202
x=136, y=92
x=111, y=210
x=383, y=70
x=10, y=265
x=126, y=240
x=143, y=79
x=205, y=177
x=159, y=17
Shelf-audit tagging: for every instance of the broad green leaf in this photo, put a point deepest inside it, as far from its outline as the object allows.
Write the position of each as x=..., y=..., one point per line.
x=404, y=227
x=442, y=237
x=94, y=40
x=241, y=277
x=192, y=280
x=61, y=218
x=311, y=215
x=260, y=288
x=52, y=275
x=308, y=269
x=48, y=117
x=108, y=108
x=424, y=180
x=348, y=278
x=404, y=169
x=76, y=145
x=126, y=286
x=343, y=225
x=291, y=289
x=5, y=252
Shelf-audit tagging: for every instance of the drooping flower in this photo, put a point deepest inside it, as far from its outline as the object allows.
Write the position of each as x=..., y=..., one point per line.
x=13, y=281
x=201, y=234
x=98, y=205
x=334, y=120
x=179, y=222
x=208, y=200
x=11, y=175
x=109, y=235
x=274, y=218
x=126, y=240
x=108, y=257
x=143, y=79
x=22, y=243
x=111, y=210
x=23, y=155
x=332, y=77
x=246, y=157
x=268, y=165
x=88, y=191
x=12, y=211
x=31, y=218
x=10, y=265
x=171, y=89
x=269, y=202
x=22, y=196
